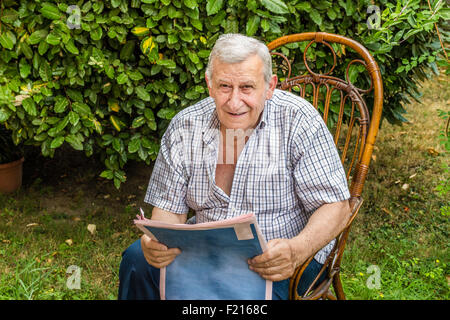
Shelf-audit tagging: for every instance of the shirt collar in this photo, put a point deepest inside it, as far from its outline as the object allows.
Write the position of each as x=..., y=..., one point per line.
x=265, y=115
x=212, y=127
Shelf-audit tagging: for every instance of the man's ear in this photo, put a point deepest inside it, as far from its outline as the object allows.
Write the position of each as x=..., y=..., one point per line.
x=208, y=83
x=272, y=86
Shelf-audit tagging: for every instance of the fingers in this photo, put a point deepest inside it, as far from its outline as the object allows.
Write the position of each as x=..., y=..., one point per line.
x=273, y=255
x=275, y=263
x=156, y=253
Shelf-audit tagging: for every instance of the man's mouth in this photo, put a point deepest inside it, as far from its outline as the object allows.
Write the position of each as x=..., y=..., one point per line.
x=237, y=113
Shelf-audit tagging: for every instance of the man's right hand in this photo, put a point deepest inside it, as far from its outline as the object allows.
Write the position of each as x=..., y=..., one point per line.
x=157, y=254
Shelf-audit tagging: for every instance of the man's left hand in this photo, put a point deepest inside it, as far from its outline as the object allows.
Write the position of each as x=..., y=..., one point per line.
x=277, y=262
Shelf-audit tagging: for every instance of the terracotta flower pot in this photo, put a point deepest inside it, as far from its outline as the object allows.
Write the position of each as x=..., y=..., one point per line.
x=11, y=176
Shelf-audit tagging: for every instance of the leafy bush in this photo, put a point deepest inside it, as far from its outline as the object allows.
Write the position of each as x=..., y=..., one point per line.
x=106, y=77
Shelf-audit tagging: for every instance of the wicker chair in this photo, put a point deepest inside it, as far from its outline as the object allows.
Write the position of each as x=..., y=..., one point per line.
x=354, y=131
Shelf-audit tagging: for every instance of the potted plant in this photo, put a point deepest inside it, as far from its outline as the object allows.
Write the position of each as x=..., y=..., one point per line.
x=11, y=160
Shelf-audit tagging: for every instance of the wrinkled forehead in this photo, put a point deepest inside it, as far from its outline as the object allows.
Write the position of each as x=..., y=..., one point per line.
x=251, y=68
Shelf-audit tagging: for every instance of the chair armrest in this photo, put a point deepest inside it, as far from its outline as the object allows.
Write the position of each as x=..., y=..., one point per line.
x=331, y=264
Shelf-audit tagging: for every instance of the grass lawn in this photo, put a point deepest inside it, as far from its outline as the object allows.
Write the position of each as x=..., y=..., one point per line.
x=398, y=247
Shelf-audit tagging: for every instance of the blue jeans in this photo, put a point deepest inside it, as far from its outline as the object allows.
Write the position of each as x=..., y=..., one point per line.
x=140, y=281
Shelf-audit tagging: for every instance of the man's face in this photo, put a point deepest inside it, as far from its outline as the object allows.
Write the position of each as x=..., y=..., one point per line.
x=239, y=91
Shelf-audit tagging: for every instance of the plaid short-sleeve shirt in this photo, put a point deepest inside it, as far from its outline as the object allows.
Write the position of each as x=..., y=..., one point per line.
x=288, y=168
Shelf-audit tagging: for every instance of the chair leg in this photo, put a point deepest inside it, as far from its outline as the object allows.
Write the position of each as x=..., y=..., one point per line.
x=337, y=285
x=330, y=295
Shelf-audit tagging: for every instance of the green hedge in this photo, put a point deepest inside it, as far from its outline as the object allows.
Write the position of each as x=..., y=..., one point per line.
x=106, y=77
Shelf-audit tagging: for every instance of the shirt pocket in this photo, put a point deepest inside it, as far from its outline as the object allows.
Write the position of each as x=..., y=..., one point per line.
x=271, y=188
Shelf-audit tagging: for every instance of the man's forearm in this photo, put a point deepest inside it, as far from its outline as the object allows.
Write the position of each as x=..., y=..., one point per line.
x=323, y=226
x=167, y=216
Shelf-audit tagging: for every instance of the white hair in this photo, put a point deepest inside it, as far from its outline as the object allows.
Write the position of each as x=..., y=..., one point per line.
x=235, y=48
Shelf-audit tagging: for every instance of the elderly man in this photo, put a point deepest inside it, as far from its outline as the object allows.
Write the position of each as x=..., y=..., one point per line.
x=247, y=148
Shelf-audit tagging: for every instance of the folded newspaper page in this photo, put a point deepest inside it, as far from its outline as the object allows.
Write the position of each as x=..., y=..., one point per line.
x=213, y=260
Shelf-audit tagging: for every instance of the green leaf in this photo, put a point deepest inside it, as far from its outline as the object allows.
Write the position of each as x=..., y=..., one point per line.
x=70, y=46
x=75, y=95
x=30, y=106
x=137, y=122
x=37, y=36
x=213, y=6
x=411, y=32
x=169, y=64
x=135, y=75
x=350, y=8
x=60, y=104
x=45, y=71
x=331, y=14
x=218, y=18
x=142, y=153
x=166, y=113
x=117, y=144
x=43, y=47
x=353, y=73
x=140, y=31
x=315, y=16
x=276, y=6
x=115, y=3
x=142, y=93
x=172, y=39
x=197, y=24
x=191, y=4
x=187, y=36
x=81, y=108
x=134, y=145
x=53, y=39
x=74, y=118
x=24, y=68
x=50, y=11
x=74, y=141
x=116, y=183
x=193, y=57
x=204, y=53
x=122, y=78
x=265, y=25
x=96, y=34
x=252, y=25
x=62, y=124
x=7, y=40
x=444, y=13
x=97, y=125
x=57, y=142
x=26, y=50
x=4, y=115
x=109, y=70
x=9, y=16
x=174, y=13
x=148, y=113
x=303, y=6
x=108, y=174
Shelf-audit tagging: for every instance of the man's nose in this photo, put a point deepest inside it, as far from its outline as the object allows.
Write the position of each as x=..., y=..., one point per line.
x=235, y=101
